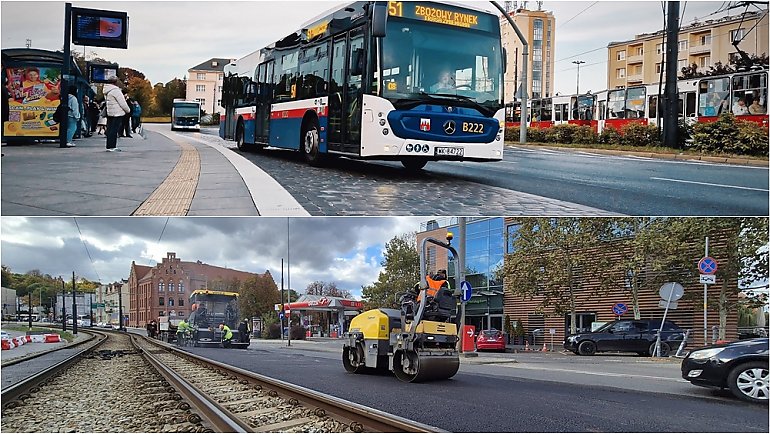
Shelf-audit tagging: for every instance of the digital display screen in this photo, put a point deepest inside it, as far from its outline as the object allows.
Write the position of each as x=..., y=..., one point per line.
x=101, y=73
x=443, y=14
x=98, y=28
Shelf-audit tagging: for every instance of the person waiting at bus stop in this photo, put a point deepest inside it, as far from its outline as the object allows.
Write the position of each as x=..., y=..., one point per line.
x=243, y=331
x=227, y=335
x=117, y=108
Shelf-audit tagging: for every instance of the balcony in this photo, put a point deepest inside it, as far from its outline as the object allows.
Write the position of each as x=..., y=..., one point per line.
x=633, y=78
x=635, y=59
x=700, y=49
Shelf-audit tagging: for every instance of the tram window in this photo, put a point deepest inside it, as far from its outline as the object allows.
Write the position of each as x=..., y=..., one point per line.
x=602, y=110
x=546, y=110
x=713, y=95
x=652, y=112
x=616, y=101
x=574, y=105
x=536, y=107
x=585, y=108
x=557, y=113
x=749, y=94
x=690, y=104
x=635, y=102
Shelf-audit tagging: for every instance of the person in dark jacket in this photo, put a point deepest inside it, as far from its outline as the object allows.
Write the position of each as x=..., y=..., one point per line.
x=243, y=331
x=136, y=113
x=126, y=130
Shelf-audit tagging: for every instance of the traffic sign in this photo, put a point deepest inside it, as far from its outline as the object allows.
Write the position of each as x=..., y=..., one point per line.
x=671, y=291
x=708, y=279
x=707, y=265
x=466, y=291
x=619, y=309
x=673, y=305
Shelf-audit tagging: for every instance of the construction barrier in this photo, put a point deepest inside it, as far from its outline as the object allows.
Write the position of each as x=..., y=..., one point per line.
x=8, y=344
x=37, y=338
x=52, y=338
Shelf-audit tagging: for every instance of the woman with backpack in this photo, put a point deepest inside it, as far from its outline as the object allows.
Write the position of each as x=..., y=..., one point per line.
x=116, y=110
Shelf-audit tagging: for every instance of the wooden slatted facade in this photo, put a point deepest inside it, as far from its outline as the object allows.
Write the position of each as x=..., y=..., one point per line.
x=688, y=315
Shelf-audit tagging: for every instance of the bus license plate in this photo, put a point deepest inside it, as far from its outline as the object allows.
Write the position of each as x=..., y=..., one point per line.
x=450, y=151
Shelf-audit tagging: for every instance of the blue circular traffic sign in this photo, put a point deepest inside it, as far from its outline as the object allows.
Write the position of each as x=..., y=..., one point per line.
x=466, y=291
x=619, y=309
x=707, y=265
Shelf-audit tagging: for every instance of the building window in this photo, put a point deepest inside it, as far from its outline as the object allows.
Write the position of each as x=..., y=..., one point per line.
x=737, y=35
x=161, y=286
x=170, y=301
x=220, y=77
x=511, y=233
x=622, y=55
x=639, y=51
x=181, y=286
x=200, y=87
x=170, y=286
x=201, y=100
x=201, y=76
x=620, y=73
x=160, y=301
x=658, y=48
x=704, y=61
x=705, y=40
x=683, y=45
x=681, y=64
x=181, y=302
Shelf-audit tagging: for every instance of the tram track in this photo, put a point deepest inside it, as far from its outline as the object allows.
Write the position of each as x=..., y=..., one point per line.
x=236, y=400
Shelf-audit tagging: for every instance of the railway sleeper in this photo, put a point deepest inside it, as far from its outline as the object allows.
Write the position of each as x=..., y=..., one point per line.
x=283, y=415
x=251, y=400
x=283, y=426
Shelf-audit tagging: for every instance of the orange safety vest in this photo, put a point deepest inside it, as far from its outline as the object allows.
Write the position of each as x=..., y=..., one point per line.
x=433, y=287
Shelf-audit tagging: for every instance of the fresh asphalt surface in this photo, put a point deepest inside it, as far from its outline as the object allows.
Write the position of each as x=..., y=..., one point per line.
x=486, y=400
x=617, y=184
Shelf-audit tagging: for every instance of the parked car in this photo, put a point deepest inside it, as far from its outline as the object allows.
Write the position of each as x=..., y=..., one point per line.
x=637, y=336
x=490, y=340
x=739, y=366
x=5, y=335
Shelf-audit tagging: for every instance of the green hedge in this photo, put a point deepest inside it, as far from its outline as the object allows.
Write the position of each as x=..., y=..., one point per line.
x=730, y=135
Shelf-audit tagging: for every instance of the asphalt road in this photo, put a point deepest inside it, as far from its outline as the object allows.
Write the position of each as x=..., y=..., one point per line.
x=478, y=399
x=613, y=184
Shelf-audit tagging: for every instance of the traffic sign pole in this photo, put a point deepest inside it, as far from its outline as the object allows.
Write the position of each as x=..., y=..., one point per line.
x=663, y=321
x=461, y=269
x=705, y=303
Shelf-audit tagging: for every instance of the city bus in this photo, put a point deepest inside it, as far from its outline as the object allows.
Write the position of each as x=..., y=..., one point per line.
x=185, y=115
x=403, y=81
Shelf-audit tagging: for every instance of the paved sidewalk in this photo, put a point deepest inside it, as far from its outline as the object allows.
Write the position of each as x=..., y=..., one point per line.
x=157, y=173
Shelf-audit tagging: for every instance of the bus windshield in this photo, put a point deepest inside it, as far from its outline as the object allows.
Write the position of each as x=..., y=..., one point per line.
x=423, y=58
x=186, y=110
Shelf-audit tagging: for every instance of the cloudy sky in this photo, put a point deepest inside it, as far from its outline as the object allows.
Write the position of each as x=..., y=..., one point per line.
x=344, y=250
x=169, y=37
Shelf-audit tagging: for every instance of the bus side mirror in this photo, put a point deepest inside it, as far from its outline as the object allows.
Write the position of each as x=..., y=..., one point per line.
x=379, y=19
x=505, y=60
x=357, y=62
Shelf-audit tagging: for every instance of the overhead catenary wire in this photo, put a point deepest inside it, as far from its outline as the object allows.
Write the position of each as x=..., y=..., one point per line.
x=162, y=231
x=576, y=15
x=98, y=279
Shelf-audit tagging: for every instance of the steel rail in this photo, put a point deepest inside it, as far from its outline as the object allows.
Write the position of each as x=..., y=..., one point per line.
x=360, y=418
x=11, y=393
x=217, y=416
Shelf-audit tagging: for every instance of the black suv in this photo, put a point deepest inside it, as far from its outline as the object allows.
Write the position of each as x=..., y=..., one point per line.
x=629, y=336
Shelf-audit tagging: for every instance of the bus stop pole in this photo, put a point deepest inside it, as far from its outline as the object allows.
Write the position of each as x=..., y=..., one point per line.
x=65, y=71
x=524, y=56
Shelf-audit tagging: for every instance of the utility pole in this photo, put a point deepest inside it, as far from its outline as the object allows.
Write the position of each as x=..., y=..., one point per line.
x=461, y=272
x=74, y=307
x=65, y=72
x=578, y=63
x=525, y=84
x=283, y=307
x=288, y=280
x=29, y=310
x=120, y=308
x=670, y=113
x=63, y=306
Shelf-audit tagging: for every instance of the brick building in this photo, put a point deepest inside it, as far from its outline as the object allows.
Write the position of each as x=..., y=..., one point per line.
x=164, y=290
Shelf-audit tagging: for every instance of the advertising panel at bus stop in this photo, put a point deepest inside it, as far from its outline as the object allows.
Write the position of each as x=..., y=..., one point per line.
x=33, y=95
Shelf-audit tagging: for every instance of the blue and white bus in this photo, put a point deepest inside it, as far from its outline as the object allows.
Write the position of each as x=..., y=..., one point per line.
x=405, y=81
x=185, y=115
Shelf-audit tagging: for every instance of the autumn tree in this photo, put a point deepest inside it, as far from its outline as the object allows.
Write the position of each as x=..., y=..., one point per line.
x=552, y=257
x=140, y=90
x=258, y=296
x=400, y=271
x=166, y=93
x=329, y=289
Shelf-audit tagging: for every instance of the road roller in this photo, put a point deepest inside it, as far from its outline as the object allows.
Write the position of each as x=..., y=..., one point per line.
x=418, y=342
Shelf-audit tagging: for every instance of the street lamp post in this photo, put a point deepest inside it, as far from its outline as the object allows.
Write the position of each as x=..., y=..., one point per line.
x=578, y=63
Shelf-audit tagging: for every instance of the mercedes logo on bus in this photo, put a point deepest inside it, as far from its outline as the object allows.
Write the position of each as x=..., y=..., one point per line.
x=449, y=127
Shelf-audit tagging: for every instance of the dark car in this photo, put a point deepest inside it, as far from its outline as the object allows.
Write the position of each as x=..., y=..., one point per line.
x=636, y=336
x=739, y=366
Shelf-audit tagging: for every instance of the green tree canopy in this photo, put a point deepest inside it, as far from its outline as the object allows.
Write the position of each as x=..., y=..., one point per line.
x=400, y=272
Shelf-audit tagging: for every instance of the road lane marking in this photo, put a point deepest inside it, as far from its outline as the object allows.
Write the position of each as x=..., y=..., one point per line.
x=710, y=184
x=601, y=374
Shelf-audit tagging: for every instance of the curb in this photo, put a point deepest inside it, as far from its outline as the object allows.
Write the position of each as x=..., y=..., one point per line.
x=655, y=155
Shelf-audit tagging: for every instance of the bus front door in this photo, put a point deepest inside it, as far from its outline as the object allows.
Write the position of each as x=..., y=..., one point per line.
x=346, y=92
x=262, y=127
x=337, y=95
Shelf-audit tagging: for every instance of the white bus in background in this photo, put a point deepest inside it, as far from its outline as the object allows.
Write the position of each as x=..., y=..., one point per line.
x=185, y=115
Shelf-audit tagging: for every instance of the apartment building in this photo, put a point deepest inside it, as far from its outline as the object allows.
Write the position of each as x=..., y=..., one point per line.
x=204, y=84
x=638, y=61
x=539, y=28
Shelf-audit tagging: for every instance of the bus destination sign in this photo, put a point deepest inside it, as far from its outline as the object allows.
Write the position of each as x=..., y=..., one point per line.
x=438, y=13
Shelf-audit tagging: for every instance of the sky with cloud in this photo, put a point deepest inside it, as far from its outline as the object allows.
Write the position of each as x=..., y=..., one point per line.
x=343, y=250
x=169, y=37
